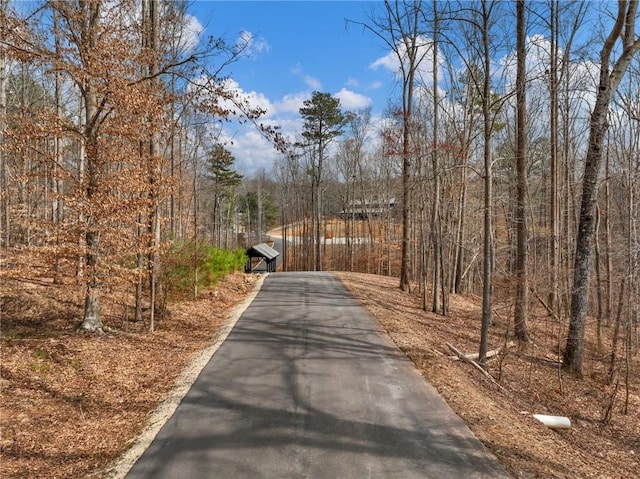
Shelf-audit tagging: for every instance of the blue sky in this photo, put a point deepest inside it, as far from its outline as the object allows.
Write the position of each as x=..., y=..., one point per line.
x=297, y=47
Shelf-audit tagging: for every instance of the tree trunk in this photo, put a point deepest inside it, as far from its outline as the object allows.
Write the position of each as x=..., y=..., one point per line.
x=608, y=82
x=584, y=240
x=436, y=228
x=82, y=183
x=460, y=227
x=153, y=32
x=402, y=24
x=405, y=284
x=599, y=295
x=57, y=205
x=607, y=234
x=4, y=174
x=554, y=193
x=91, y=320
x=487, y=250
x=521, y=299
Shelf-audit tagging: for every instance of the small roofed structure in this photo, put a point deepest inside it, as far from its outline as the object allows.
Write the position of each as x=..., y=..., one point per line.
x=265, y=253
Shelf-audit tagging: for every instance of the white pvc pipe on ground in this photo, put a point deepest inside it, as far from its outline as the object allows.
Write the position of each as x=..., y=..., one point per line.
x=555, y=422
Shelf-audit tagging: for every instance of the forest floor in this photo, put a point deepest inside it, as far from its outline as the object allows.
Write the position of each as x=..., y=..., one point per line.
x=528, y=381
x=72, y=403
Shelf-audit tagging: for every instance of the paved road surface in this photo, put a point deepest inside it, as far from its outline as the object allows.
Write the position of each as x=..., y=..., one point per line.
x=308, y=386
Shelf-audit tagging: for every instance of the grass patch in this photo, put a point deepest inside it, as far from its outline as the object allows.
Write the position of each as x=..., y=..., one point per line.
x=41, y=354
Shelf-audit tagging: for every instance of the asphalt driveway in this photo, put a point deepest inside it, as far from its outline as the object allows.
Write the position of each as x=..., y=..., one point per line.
x=308, y=386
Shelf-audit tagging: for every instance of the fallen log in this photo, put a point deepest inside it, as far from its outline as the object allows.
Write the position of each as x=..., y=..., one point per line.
x=490, y=354
x=546, y=306
x=464, y=358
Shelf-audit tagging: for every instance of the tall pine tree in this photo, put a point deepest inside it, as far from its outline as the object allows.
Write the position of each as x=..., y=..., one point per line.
x=323, y=122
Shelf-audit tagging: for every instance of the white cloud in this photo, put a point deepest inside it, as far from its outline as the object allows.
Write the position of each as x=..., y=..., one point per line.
x=352, y=82
x=291, y=103
x=250, y=45
x=388, y=62
x=582, y=78
x=191, y=31
x=391, y=61
x=252, y=151
x=351, y=100
x=311, y=82
x=234, y=100
x=252, y=98
x=247, y=144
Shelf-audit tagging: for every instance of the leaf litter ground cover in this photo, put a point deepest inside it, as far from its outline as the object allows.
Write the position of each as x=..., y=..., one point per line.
x=530, y=382
x=73, y=403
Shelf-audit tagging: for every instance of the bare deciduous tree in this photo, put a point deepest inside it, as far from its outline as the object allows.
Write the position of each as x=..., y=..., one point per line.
x=613, y=65
x=521, y=270
x=400, y=30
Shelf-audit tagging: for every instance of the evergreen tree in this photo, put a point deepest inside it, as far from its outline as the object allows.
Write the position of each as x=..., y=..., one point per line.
x=219, y=170
x=323, y=122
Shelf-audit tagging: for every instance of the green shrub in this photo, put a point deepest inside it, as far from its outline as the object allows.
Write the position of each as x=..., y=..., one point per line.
x=212, y=263
x=220, y=262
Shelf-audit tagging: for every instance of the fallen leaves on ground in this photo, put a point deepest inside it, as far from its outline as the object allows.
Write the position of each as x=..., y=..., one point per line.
x=72, y=403
x=530, y=379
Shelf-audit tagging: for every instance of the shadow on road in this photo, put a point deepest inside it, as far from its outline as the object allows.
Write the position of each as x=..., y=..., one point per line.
x=310, y=388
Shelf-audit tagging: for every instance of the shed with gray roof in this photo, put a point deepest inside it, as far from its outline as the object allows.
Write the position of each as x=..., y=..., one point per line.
x=266, y=253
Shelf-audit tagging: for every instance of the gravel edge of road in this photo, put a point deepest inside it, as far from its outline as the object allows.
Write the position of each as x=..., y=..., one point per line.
x=182, y=385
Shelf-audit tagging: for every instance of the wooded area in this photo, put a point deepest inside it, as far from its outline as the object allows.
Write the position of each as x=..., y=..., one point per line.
x=539, y=147
x=510, y=168
x=507, y=174
x=111, y=150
